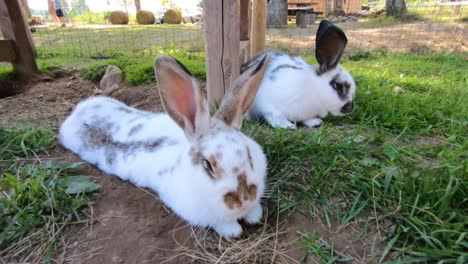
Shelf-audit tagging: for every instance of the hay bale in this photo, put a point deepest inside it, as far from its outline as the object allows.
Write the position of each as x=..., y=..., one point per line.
x=172, y=17
x=118, y=18
x=145, y=17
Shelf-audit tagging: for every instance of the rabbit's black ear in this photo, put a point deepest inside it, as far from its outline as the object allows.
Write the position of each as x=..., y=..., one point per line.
x=330, y=44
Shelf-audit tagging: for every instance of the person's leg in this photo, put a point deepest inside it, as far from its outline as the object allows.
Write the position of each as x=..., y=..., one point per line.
x=52, y=11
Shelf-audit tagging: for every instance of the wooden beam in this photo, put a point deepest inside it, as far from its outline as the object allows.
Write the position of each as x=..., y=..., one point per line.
x=7, y=50
x=14, y=27
x=257, y=40
x=244, y=10
x=222, y=45
x=245, y=14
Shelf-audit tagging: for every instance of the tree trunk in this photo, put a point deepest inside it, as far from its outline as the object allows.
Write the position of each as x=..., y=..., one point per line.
x=137, y=5
x=395, y=7
x=277, y=12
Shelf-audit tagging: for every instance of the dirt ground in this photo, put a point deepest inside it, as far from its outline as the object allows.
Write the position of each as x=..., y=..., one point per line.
x=130, y=225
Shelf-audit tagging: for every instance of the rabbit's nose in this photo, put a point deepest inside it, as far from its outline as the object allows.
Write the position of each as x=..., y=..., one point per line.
x=347, y=108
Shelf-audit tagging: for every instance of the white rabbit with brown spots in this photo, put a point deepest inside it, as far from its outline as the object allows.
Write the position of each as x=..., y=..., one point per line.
x=294, y=91
x=203, y=167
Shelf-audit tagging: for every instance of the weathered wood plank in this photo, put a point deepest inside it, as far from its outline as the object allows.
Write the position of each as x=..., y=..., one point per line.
x=222, y=46
x=231, y=42
x=213, y=19
x=244, y=14
x=14, y=27
x=7, y=50
x=257, y=39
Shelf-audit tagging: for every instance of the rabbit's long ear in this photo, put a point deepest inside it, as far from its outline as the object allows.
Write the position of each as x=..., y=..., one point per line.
x=330, y=44
x=240, y=95
x=181, y=97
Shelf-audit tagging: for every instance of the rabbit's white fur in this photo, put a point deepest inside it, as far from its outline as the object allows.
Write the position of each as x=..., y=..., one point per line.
x=294, y=91
x=152, y=150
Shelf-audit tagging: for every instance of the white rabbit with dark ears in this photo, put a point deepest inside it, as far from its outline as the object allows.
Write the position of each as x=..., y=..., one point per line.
x=294, y=91
x=203, y=167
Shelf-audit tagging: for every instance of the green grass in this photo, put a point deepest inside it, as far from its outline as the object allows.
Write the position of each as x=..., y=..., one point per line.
x=38, y=200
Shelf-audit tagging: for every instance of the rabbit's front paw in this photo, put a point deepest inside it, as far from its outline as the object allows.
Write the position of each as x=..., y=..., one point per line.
x=279, y=122
x=233, y=229
x=314, y=122
x=255, y=215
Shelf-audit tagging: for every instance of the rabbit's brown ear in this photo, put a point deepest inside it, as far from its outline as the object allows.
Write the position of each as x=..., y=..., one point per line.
x=180, y=95
x=242, y=92
x=330, y=44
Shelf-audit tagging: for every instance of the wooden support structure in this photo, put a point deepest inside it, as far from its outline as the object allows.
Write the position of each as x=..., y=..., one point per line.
x=7, y=50
x=222, y=46
x=245, y=14
x=18, y=47
x=259, y=10
x=230, y=36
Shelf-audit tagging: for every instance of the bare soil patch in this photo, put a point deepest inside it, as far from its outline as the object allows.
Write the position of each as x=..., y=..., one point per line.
x=129, y=224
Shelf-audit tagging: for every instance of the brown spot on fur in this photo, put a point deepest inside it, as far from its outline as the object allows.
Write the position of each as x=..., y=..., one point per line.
x=232, y=200
x=196, y=156
x=135, y=129
x=96, y=136
x=244, y=191
x=248, y=192
x=235, y=170
x=100, y=137
x=154, y=145
x=249, y=156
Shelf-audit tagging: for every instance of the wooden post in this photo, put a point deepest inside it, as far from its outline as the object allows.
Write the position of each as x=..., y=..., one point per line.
x=222, y=46
x=14, y=27
x=257, y=40
x=244, y=8
x=245, y=14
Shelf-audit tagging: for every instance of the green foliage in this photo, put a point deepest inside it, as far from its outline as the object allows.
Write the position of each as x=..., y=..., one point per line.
x=141, y=71
x=38, y=201
x=78, y=7
x=6, y=71
x=420, y=188
x=23, y=142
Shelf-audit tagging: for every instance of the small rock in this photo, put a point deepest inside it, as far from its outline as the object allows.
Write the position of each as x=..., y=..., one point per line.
x=398, y=89
x=111, y=79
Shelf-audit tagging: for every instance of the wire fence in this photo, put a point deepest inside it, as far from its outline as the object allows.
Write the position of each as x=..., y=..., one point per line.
x=429, y=27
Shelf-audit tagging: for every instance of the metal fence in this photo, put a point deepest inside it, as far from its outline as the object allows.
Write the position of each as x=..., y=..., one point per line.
x=430, y=26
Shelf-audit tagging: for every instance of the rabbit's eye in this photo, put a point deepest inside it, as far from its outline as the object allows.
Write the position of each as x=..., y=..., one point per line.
x=338, y=88
x=207, y=166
